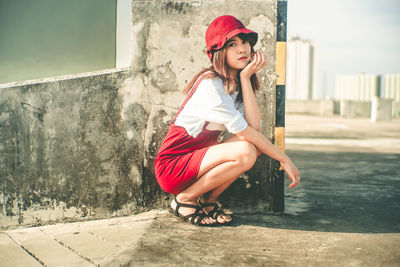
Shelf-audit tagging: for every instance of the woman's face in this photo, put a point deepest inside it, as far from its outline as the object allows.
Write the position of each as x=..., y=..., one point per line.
x=238, y=53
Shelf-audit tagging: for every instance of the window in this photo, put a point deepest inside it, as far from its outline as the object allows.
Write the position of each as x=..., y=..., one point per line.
x=46, y=38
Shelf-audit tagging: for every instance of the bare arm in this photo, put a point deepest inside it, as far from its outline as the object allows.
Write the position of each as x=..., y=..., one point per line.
x=252, y=116
x=251, y=111
x=264, y=145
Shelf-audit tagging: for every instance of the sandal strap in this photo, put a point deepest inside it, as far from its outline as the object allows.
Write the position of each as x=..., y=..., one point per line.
x=200, y=216
x=179, y=205
x=208, y=204
x=196, y=217
x=216, y=212
x=193, y=216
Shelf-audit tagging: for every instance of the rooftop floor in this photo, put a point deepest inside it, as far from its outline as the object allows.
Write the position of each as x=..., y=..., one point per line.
x=345, y=212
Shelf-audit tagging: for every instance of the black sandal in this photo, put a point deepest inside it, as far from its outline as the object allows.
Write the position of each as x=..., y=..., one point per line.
x=199, y=214
x=215, y=212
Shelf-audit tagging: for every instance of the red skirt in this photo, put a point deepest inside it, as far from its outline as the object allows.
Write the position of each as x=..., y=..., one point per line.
x=178, y=161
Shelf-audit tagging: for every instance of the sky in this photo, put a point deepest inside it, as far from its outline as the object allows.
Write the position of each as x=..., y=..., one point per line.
x=351, y=36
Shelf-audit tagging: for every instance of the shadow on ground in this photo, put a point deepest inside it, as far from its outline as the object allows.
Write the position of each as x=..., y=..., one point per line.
x=345, y=212
x=340, y=192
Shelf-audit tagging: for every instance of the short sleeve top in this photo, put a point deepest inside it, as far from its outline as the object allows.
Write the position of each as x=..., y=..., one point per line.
x=211, y=103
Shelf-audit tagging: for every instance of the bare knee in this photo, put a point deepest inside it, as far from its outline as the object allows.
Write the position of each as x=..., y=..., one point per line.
x=246, y=155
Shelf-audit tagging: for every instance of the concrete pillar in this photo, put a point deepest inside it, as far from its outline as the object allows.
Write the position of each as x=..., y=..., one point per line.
x=278, y=200
x=381, y=109
x=162, y=31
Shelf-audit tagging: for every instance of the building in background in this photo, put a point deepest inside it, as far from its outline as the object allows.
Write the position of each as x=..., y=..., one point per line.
x=360, y=87
x=363, y=87
x=391, y=87
x=301, y=70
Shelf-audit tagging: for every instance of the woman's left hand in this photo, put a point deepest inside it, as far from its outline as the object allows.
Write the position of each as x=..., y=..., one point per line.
x=258, y=61
x=292, y=171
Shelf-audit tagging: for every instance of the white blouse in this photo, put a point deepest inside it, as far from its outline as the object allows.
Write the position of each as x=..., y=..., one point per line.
x=210, y=102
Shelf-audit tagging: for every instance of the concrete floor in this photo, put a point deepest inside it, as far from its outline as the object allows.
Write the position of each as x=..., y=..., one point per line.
x=346, y=212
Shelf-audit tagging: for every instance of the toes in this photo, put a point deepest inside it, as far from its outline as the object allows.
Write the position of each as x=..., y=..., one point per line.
x=228, y=218
x=224, y=219
x=221, y=220
x=208, y=220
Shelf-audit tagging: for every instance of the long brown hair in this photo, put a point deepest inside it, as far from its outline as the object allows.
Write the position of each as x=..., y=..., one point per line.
x=220, y=70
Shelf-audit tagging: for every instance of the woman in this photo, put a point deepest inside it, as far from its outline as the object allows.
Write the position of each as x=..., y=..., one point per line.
x=191, y=163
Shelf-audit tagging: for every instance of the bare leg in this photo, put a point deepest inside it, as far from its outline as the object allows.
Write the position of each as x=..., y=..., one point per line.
x=221, y=165
x=212, y=196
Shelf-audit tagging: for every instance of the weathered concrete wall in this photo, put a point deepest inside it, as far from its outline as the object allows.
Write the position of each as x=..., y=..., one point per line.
x=382, y=109
x=313, y=107
x=84, y=147
x=169, y=49
x=352, y=109
x=66, y=151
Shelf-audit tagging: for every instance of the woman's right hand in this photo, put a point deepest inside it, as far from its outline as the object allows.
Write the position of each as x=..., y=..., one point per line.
x=292, y=171
x=258, y=61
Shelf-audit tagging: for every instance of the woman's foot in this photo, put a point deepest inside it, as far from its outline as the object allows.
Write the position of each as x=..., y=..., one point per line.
x=189, y=209
x=212, y=209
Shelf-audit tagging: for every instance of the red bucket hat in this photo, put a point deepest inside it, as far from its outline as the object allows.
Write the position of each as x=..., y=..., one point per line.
x=224, y=28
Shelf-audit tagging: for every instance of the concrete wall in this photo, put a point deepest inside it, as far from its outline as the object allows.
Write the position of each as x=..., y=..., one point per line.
x=169, y=49
x=65, y=152
x=351, y=109
x=83, y=147
x=312, y=107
